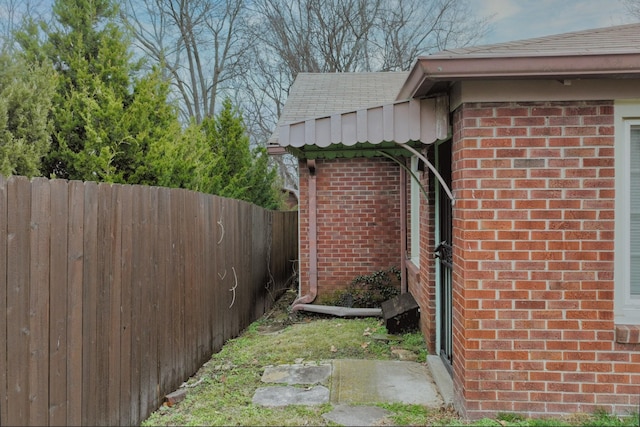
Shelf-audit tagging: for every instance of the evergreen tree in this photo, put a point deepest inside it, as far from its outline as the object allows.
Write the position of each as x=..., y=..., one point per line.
x=112, y=126
x=106, y=120
x=230, y=167
x=25, y=103
x=91, y=54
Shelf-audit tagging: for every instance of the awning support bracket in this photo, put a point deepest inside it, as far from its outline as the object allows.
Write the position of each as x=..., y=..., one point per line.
x=433, y=169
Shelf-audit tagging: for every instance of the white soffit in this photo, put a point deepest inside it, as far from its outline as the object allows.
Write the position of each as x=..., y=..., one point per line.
x=424, y=120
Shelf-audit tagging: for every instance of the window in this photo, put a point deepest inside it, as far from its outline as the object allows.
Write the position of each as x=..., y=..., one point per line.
x=627, y=228
x=415, y=213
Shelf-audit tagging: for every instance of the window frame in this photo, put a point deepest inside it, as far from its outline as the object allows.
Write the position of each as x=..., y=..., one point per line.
x=626, y=307
x=414, y=220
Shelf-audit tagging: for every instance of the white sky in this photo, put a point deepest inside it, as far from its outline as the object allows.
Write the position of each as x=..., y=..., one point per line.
x=523, y=19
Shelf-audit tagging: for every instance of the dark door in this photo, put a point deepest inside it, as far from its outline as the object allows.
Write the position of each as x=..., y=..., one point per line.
x=444, y=254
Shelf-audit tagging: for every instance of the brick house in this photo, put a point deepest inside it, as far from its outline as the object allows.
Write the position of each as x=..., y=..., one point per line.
x=524, y=254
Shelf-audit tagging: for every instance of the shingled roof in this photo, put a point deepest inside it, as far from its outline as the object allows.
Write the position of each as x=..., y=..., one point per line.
x=611, y=52
x=617, y=39
x=322, y=94
x=354, y=110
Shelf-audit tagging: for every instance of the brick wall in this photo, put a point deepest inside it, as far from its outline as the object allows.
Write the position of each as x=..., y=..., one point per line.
x=422, y=281
x=358, y=220
x=533, y=256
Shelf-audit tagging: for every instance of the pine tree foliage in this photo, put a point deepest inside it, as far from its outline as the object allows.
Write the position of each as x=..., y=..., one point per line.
x=111, y=122
x=25, y=129
x=231, y=168
x=90, y=53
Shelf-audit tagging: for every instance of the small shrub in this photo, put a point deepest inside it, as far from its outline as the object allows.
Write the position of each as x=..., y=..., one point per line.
x=371, y=290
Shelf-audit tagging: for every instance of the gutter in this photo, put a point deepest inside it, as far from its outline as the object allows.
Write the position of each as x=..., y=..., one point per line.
x=430, y=70
x=313, y=235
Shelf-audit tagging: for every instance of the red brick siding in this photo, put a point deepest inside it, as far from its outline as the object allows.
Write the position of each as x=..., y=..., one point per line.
x=358, y=220
x=533, y=255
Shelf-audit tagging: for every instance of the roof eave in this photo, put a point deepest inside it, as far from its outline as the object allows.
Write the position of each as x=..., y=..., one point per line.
x=433, y=69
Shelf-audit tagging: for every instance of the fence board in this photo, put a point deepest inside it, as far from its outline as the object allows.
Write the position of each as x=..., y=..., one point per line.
x=137, y=325
x=151, y=363
x=235, y=282
x=112, y=295
x=103, y=296
x=207, y=274
x=165, y=355
x=210, y=259
x=243, y=267
x=3, y=301
x=18, y=253
x=196, y=256
x=201, y=262
x=39, y=303
x=113, y=329
x=204, y=334
x=75, y=270
x=261, y=237
x=125, y=397
x=217, y=314
x=177, y=279
x=189, y=297
x=58, y=303
x=90, y=376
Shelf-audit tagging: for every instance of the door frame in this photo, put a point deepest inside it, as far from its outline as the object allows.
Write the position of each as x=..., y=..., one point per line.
x=439, y=193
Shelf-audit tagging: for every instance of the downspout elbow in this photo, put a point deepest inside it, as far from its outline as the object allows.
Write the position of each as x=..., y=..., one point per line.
x=305, y=299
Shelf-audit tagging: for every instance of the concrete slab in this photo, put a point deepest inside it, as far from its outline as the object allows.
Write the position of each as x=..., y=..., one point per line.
x=347, y=415
x=380, y=381
x=442, y=378
x=288, y=395
x=297, y=374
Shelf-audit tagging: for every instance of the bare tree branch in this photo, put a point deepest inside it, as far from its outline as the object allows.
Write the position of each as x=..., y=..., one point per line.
x=14, y=14
x=199, y=43
x=633, y=7
x=253, y=50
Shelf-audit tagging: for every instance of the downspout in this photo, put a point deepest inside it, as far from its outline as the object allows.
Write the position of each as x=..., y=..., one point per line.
x=403, y=231
x=313, y=234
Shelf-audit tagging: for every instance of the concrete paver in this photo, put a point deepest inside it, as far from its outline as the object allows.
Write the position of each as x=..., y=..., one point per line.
x=348, y=415
x=355, y=384
x=288, y=395
x=382, y=381
x=297, y=374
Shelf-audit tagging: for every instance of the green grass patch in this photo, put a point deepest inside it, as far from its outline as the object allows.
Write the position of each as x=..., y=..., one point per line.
x=225, y=385
x=221, y=392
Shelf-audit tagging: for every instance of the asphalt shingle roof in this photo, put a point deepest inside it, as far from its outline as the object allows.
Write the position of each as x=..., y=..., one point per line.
x=616, y=39
x=315, y=95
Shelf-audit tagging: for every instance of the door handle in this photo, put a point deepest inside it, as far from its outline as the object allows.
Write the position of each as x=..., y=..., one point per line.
x=439, y=248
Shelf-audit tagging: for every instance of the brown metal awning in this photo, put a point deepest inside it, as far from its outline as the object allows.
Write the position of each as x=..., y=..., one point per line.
x=364, y=131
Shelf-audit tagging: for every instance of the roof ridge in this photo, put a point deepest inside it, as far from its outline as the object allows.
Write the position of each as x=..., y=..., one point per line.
x=530, y=42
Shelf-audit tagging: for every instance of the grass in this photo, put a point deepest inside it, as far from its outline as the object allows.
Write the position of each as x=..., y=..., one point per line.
x=221, y=392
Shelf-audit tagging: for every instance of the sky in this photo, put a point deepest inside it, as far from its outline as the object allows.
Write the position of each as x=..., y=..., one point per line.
x=523, y=19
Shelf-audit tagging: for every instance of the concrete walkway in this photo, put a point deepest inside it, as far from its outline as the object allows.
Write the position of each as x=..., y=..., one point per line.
x=353, y=385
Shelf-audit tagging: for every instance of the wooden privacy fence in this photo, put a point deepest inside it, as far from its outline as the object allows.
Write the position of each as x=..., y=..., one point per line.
x=112, y=295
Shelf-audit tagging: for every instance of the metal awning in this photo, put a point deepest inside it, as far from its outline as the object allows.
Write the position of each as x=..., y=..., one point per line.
x=365, y=131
